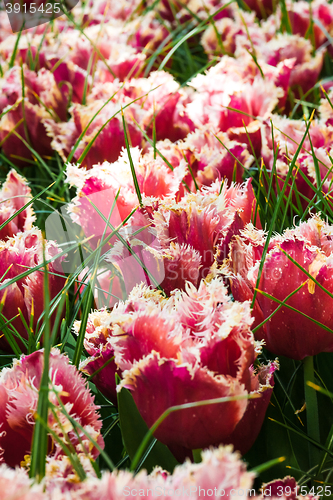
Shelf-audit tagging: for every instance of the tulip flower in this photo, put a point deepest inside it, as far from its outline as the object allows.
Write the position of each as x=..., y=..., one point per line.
x=99, y=188
x=228, y=104
x=286, y=59
x=291, y=333
x=214, y=156
x=287, y=136
x=262, y=8
x=164, y=103
x=300, y=15
x=157, y=98
x=171, y=252
x=19, y=391
x=121, y=50
x=60, y=476
x=67, y=64
x=110, y=10
x=229, y=29
x=156, y=247
x=42, y=100
x=146, y=32
x=18, y=255
x=220, y=471
x=100, y=354
x=209, y=155
x=194, y=346
x=305, y=69
x=178, y=13
x=206, y=220
x=287, y=487
x=124, y=61
x=65, y=135
x=325, y=110
x=14, y=194
x=16, y=484
x=70, y=79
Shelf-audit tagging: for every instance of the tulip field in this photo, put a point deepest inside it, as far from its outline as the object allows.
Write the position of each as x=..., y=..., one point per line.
x=166, y=249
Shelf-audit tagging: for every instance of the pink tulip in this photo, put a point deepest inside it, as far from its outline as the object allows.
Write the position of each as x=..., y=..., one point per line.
x=69, y=77
x=208, y=368
x=221, y=471
x=287, y=136
x=101, y=353
x=262, y=8
x=14, y=194
x=157, y=98
x=177, y=12
x=111, y=10
x=159, y=249
x=229, y=104
x=65, y=135
x=165, y=104
x=206, y=220
x=147, y=33
x=300, y=15
x=286, y=488
x=325, y=110
x=17, y=485
x=27, y=116
x=17, y=255
x=287, y=332
x=229, y=29
x=199, y=345
x=19, y=388
x=285, y=59
x=125, y=63
x=210, y=160
x=305, y=69
x=99, y=186
x=169, y=254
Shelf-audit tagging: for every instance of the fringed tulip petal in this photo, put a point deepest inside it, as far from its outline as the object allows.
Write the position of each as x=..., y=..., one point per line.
x=15, y=193
x=184, y=384
x=19, y=392
x=17, y=255
x=288, y=332
x=194, y=345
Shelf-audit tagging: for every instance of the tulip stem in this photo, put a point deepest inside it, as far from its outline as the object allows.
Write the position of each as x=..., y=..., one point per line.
x=312, y=416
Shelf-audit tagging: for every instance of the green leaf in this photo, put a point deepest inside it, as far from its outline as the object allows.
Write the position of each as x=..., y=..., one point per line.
x=267, y=465
x=134, y=430
x=39, y=446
